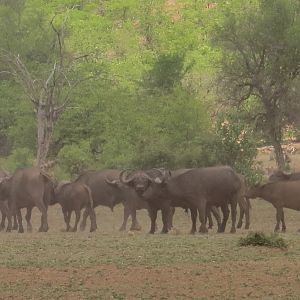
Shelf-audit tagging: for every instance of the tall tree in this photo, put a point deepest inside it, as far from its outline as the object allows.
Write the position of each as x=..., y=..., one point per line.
x=48, y=84
x=260, y=45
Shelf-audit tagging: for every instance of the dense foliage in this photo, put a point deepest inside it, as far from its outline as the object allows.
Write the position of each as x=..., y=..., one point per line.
x=149, y=100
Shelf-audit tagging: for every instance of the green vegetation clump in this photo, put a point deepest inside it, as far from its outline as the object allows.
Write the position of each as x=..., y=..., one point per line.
x=261, y=239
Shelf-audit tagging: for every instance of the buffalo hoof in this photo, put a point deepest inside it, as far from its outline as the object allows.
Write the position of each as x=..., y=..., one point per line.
x=283, y=230
x=210, y=226
x=232, y=230
x=43, y=229
x=29, y=229
x=151, y=232
x=15, y=227
x=2, y=228
x=122, y=228
x=203, y=229
x=192, y=231
x=93, y=229
x=21, y=230
x=136, y=227
x=247, y=226
x=164, y=232
x=239, y=225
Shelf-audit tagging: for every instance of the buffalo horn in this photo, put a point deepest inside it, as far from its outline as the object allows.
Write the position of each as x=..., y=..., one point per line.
x=123, y=177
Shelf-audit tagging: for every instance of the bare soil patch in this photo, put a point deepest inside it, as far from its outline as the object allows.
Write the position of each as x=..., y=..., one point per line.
x=236, y=280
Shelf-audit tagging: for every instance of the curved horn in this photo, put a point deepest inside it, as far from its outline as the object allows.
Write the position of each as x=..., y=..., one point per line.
x=124, y=178
x=163, y=173
x=4, y=179
x=112, y=182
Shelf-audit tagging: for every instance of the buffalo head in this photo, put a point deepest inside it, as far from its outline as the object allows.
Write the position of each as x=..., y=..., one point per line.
x=140, y=181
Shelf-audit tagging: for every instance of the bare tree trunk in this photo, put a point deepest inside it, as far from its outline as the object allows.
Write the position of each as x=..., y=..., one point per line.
x=276, y=142
x=44, y=133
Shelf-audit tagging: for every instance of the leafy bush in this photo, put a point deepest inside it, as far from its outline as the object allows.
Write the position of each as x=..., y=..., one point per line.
x=19, y=158
x=235, y=145
x=75, y=158
x=261, y=239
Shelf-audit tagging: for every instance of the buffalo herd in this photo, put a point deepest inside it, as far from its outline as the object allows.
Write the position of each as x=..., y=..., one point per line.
x=202, y=191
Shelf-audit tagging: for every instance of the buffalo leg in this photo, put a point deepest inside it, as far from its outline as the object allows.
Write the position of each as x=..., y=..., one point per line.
x=247, y=213
x=233, y=216
x=194, y=220
x=171, y=215
x=15, y=223
x=283, y=222
x=165, y=212
x=19, y=216
x=278, y=219
x=242, y=213
x=134, y=222
x=28, y=218
x=44, y=219
x=202, y=215
x=67, y=217
x=4, y=211
x=216, y=213
x=10, y=212
x=84, y=217
x=126, y=215
x=209, y=218
x=2, y=224
x=93, y=219
x=77, y=218
x=153, y=217
x=225, y=212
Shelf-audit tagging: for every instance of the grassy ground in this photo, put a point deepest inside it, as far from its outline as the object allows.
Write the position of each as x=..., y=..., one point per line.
x=108, y=264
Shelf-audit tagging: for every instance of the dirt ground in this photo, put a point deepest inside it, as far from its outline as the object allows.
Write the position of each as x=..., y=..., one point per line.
x=220, y=281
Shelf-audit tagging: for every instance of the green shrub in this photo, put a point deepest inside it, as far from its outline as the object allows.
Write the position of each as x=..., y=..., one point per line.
x=75, y=158
x=19, y=158
x=261, y=239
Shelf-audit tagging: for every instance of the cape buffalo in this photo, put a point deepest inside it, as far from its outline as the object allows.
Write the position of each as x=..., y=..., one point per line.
x=73, y=196
x=280, y=175
x=195, y=189
x=133, y=203
x=280, y=194
x=28, y=187
x=4, y=205
x=104, y=192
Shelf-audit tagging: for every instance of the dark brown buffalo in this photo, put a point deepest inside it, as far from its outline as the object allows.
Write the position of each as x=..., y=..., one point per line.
x=244, y=205
x=4, y=205
x=195, y=189
x=27, y=188
x=106, y=193
x=281, y=194
x=280, y=175
x=132, y=204
x=73, y=196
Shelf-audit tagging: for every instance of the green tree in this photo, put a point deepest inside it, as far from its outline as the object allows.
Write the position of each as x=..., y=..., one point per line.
x=260, y=44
